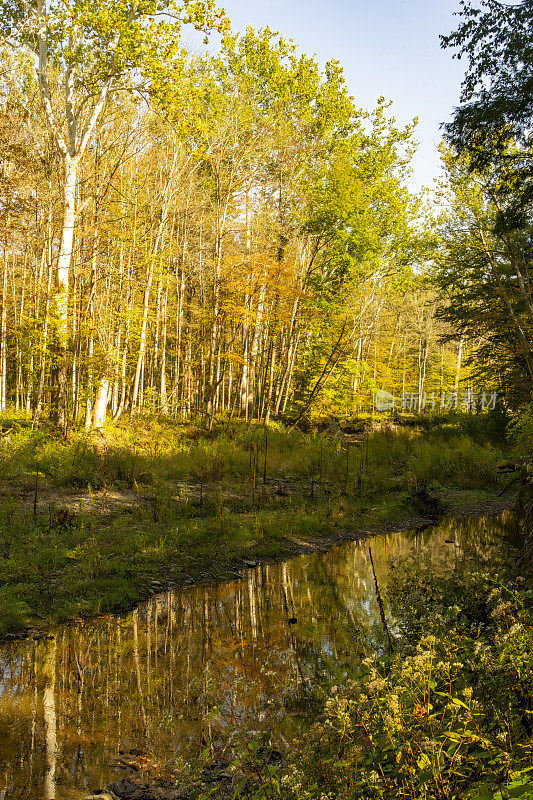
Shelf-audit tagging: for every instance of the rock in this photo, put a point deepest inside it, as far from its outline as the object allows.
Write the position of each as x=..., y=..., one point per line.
x=157, y=790
x=248, y=562
x=217, y=771
x=269, y=755
x=136, y=760
x=101, y=795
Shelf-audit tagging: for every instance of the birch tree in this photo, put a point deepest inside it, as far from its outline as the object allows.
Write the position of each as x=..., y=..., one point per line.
x=85, y=54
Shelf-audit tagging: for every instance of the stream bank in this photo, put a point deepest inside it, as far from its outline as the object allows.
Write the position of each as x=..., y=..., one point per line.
x=91, y=527
x=206, y=562
x=178, y=689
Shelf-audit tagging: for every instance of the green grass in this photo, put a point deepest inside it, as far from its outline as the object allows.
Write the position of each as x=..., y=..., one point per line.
x=204, y=503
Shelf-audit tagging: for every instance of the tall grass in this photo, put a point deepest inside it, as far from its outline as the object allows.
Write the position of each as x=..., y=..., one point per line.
x=174, y=454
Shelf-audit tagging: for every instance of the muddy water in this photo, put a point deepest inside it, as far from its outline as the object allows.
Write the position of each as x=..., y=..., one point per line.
x=189, y=667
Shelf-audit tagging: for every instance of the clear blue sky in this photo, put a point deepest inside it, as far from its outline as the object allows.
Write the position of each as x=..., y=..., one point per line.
x=387, y=47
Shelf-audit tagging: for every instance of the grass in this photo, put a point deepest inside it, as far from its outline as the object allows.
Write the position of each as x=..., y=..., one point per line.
x=197, y=504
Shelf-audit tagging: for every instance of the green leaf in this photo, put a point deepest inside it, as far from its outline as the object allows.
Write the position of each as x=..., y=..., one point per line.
x=483, y=792
x=453, y=736
x=524, y=790
x=424, y=761
x=457, y=702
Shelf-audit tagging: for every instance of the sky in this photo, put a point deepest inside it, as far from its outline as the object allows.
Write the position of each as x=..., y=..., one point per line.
x=387, y=48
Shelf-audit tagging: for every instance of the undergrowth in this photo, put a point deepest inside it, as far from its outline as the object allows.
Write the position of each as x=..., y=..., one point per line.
x=193, y=503
x=162, y=451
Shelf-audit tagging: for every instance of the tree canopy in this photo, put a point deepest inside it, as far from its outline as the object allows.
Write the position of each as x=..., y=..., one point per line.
x=492, y=126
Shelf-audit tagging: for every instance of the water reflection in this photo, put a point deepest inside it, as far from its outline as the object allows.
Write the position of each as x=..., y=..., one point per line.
x=189, y=666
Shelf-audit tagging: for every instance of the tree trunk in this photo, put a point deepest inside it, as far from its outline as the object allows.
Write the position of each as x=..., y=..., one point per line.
x=163, y=399
x=458, y=366
x=100, y=403
x=60, y=310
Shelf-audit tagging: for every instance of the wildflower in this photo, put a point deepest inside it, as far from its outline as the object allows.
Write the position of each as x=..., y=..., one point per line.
x=376, y=685
x=517, y=626
x=393, y=702
x=501, y=609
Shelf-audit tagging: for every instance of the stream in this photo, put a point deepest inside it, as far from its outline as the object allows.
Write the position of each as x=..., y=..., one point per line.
x=192, y=666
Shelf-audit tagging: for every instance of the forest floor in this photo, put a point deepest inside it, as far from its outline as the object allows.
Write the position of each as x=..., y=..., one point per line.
x=96, y=523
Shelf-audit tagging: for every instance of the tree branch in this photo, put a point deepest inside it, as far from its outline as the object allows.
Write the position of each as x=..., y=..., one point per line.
x=43, y=79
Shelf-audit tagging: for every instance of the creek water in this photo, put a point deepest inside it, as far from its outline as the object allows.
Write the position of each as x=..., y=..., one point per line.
x=189, y=667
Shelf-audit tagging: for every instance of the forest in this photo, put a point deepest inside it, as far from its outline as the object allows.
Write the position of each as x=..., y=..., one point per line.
x=230, y=236
x=231, y=334
x=234, y=239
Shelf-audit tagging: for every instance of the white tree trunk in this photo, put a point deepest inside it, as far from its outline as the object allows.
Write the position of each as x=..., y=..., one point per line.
x=100, y=404
x=62, y=284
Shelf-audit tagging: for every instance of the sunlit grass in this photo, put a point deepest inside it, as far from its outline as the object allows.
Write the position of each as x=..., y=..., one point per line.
x=201, y=502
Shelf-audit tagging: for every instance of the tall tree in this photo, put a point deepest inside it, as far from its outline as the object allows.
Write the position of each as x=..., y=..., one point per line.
x=86, y=54
x=492, y=126
x=485, y=272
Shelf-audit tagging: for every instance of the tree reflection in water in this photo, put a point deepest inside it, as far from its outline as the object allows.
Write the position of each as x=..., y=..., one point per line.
x=188, y=667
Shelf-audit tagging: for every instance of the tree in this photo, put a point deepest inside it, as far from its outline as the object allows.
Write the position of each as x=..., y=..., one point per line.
x=492, y=126
x=485, y=273
x=366, y=238
x=243, y=246
x=485, y=264
x=86, y=54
